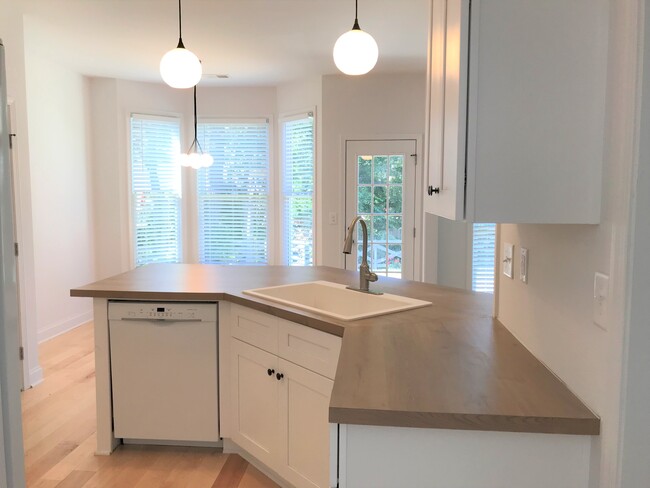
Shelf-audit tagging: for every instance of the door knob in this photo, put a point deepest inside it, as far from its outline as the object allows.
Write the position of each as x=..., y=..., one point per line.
x=270, y=371
x=279, y=376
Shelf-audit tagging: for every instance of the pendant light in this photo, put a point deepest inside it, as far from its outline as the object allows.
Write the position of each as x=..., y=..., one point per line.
x=355, y=52
x=179, y=67
x=195, y=157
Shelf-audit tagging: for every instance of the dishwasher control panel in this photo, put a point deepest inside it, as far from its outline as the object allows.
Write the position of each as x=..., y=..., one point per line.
x=162, y=311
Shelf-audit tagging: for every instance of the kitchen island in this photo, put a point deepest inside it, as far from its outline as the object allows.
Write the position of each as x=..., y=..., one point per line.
x=446, y=369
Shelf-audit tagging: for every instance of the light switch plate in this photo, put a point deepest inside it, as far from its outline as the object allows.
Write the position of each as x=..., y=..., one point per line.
x=523, y=264
x=508, y=254
x=601, y=295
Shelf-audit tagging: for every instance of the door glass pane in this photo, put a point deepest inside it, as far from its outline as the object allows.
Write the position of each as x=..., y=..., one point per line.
x=379, y=200
x=365, y=169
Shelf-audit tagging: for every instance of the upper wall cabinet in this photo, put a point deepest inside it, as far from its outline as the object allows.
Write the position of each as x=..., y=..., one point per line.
x=516, y=110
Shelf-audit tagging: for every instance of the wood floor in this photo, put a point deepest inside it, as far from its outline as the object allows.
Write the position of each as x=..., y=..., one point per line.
x=59, y=434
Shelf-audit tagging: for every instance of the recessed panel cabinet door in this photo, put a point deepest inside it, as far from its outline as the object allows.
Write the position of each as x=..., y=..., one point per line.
x=255, y=401
x=447, y=108
x=304, y=423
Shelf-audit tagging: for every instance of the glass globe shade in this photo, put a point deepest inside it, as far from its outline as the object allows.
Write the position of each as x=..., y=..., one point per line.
x=195, y=160
x=184, y=160
x=206, y=160
x=355, y=52
x=180, y=68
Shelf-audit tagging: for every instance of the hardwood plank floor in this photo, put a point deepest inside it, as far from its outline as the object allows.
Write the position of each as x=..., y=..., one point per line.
x=59, y=435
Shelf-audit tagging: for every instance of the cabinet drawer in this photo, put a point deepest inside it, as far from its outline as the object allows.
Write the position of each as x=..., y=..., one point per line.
x=313, y=349
x=255, y=328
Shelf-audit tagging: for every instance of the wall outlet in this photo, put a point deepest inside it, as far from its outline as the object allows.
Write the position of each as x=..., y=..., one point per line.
x=523, y=264
x=333, y=218
x=508, y=253
x=601, y=295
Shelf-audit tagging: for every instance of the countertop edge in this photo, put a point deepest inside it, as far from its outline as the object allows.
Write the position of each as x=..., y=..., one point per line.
x=461, y=421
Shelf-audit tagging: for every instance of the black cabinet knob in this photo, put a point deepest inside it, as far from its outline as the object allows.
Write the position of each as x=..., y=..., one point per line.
x=431, y=190
x=270, y=371
x=279, y=376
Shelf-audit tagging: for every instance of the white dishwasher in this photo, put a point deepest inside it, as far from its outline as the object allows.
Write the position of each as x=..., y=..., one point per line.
x=164, y=371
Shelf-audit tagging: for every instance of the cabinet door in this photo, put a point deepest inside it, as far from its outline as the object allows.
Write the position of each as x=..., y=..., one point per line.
x=447, y=108
x=255, y=401
x=304, y=424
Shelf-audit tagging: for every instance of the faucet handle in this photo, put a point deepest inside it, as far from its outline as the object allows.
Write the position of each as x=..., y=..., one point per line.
x=372, y=277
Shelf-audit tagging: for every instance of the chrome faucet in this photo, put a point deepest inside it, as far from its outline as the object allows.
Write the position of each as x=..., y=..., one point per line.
x=365, y=275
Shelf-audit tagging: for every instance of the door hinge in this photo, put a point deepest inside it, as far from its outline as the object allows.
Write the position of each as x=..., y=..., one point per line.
x=21, y=353
x=415, y=156
x=414, y=231
x=15, y=249
x=11, y=140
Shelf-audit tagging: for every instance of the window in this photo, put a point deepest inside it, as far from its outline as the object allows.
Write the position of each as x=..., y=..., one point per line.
x=483, y=248
x=155, y=189
x=298, y=190
x=233, y=193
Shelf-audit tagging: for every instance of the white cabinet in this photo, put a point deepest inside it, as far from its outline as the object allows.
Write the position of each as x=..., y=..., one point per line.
x=255, y=397
x=281, y=379
x=304, y=426
x=515, y=111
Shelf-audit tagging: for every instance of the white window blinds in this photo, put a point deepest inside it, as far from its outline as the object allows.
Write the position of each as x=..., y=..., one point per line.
x=483, y=248
x=233, y=193
x=298, y=191
x=155, y=189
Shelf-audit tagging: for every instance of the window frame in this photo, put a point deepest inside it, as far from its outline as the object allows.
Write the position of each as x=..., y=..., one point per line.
x=282, y=119
x=193, y=201
x=128, y=177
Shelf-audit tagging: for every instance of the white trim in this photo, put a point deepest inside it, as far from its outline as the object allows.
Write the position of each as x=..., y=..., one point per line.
x=164, y=117
x=32, y=374
x=418, y=217
x=469, y=264
x=269, y=120
x=288, y=117
x=343, y=455
x=63, y=326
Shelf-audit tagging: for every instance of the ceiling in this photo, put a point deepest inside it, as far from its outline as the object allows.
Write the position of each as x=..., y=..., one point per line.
x=255, y=42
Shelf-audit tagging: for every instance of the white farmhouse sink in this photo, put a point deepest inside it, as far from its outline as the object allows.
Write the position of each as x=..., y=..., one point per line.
x=335, y=300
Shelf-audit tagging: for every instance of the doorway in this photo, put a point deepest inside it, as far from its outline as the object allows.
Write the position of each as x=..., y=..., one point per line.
x=380, y=182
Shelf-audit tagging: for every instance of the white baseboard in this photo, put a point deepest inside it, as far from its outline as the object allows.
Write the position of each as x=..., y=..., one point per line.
x=63, y=326
x=35, y=376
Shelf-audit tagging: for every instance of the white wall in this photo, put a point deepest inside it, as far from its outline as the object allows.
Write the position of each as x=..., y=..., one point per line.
x=454, y=251
x=58, y=112
x=112, y=103
x=364, y=106
x=552, y=314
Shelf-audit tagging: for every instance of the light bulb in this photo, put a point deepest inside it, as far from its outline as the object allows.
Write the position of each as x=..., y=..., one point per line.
x=206, y=160
x=183, y=160
x=355, y=52
x=180, y=68
x=195, y=160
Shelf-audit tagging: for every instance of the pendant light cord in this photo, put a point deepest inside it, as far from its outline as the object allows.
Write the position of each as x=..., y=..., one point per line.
x=195, y=120
x=356, y=16
x=180, y=27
